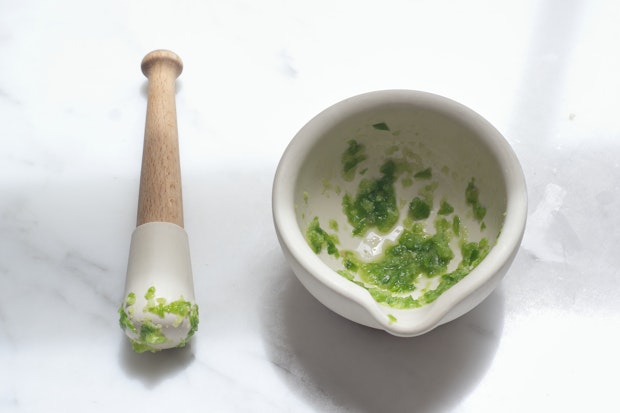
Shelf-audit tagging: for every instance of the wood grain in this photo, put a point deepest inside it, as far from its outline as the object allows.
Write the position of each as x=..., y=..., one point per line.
x=160, y=197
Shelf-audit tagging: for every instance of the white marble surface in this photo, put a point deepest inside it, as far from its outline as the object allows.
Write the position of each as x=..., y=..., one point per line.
x=72, y=107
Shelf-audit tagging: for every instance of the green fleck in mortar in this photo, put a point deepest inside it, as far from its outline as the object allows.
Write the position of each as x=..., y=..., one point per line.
x=150, y=333
x=381, y=126
x=445, y=208
x=424, y=174
x=472, y=194
x=419, y=209
x=333, y=225
x=351, y=158
x=456, y=225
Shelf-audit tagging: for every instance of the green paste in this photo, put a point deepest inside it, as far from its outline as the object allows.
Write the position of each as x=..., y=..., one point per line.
x=375, y=202
x=392, y=277
x=150, y=333
x=318, y=238
x=415, y=253
x=125, y=315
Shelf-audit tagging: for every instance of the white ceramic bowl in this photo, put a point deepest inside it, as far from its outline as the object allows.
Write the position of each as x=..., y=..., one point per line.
x=426, y=131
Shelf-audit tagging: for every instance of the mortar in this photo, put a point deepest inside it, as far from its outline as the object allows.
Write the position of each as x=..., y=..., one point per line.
x=399, y=210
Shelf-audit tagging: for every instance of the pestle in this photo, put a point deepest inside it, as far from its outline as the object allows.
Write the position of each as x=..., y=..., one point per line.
x=159, y=309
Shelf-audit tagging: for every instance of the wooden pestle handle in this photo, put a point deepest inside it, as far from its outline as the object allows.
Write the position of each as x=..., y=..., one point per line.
x=160, y=198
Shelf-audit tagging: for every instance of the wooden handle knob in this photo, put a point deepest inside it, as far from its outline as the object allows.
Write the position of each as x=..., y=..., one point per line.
x=160, y=198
